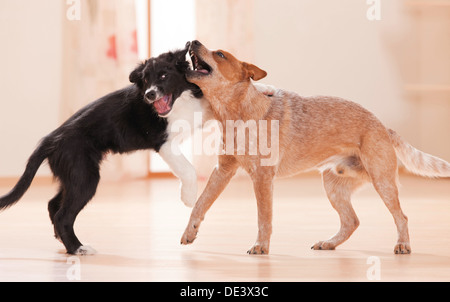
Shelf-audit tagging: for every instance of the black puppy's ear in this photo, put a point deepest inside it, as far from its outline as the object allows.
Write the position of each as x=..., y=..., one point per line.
x=180, y=59
x=180, y=55
x=136, y=76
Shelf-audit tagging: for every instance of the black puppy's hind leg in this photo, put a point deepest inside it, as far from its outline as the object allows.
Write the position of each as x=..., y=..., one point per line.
x=76, y=196
x=53, y=207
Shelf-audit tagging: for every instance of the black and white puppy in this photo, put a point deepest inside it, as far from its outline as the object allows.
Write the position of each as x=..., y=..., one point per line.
x=123, y=121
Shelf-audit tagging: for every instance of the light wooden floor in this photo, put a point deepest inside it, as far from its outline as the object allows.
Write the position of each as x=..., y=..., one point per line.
x=136, y=228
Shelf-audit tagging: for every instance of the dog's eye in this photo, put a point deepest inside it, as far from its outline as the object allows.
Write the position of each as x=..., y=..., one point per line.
x=163, y=76
x=220, y=54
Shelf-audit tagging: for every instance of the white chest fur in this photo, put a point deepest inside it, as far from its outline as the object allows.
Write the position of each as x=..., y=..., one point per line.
x=187, y=115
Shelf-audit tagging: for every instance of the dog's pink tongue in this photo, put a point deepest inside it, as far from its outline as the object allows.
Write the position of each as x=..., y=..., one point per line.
x=162, y=105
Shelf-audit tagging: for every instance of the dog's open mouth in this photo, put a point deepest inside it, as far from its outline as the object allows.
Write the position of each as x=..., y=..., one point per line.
x=198, y=65
x=163, y=105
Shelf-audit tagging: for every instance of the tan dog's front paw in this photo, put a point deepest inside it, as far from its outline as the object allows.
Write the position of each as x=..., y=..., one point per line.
x=402, y=248
x=189, y=235
x=258, y=249
x=323, y=245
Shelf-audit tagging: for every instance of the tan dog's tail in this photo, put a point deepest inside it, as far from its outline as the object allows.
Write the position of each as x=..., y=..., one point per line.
x=416, y=161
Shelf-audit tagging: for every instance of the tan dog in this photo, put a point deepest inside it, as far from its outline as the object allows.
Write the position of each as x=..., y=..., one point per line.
x=347, y=143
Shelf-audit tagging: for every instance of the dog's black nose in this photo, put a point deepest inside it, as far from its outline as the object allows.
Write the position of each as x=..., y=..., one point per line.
x=196, y=43
x=151, y=95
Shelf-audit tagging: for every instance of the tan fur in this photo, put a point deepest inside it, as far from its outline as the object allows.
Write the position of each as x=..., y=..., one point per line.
x=347, y=143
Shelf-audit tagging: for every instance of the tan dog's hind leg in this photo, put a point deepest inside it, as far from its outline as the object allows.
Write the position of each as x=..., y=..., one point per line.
x=388, y=191
x=217, y=182
x=263, y=187
x=339, y=190
x=380, y=161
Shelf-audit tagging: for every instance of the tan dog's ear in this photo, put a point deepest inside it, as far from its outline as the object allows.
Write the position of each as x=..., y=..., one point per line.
x=254, y=72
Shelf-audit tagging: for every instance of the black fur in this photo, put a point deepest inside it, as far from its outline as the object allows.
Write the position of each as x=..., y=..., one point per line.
x=120, y=122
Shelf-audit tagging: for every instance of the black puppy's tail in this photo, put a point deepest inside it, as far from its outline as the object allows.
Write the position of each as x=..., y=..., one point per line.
x=34, y=162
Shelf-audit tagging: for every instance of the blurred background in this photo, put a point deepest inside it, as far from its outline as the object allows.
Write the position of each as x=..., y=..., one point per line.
x=391, y=56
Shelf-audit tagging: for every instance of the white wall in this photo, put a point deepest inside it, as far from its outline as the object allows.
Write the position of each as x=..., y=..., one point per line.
x=172, y=24
x=30, y=78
